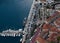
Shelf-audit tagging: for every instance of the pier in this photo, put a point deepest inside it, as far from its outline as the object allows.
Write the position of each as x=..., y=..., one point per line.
x=34, y=11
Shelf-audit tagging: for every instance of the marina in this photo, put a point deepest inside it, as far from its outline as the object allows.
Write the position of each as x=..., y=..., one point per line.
x=12, y=14
x=43, y=13
x=42, y=24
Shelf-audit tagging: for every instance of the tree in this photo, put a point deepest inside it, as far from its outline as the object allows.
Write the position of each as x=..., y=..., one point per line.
x=58, y=39
x=52, y=42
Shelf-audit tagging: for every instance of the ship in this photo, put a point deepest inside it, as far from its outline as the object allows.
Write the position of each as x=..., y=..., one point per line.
x=43, y=22
x=11, y=33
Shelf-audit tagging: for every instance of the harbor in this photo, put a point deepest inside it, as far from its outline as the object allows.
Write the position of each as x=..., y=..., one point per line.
x=12, y=14
x=43, y=13
x=42, y=24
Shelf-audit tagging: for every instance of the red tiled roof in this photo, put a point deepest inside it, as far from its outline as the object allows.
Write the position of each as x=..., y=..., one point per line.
x=58, y=21
x=41, y=40
x=46, y=26
x=35, y=36
x=53, y=29
x=58, y=31
x=52, y=37
x=55, y=14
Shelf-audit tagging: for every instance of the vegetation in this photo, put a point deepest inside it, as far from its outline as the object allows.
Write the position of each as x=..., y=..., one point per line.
x=58, y=39
x=52, y=42
x=32, y=32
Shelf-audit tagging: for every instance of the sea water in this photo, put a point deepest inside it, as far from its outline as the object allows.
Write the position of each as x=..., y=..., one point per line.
x=12, y=13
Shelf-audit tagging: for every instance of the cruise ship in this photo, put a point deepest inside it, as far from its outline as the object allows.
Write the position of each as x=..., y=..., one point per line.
x=12, y=33
x=43, y=23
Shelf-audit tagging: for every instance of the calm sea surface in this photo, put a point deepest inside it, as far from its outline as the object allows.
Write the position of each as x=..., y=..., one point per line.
x=12, y=13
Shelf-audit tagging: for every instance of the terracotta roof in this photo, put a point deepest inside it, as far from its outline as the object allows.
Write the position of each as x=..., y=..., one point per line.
x=54, y=15
x=57, y=22
x=46, y=26
x=41, y=40
x=58, y=31
x=53, y=29
x=52, y=37
x=35, y=36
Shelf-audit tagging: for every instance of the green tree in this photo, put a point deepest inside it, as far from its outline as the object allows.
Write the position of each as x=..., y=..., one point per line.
x=58, y=39
x=52, y=42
